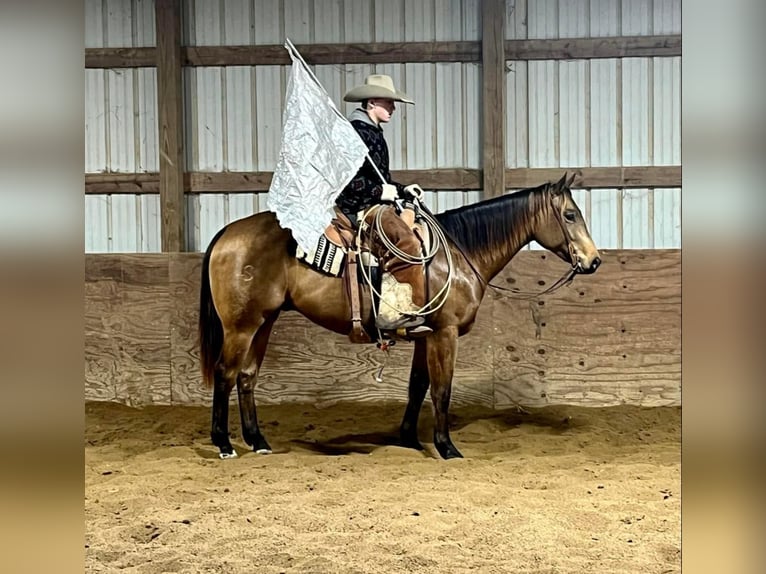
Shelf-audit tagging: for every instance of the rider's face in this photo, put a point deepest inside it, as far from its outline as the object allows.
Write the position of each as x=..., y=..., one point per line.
x=381, y=109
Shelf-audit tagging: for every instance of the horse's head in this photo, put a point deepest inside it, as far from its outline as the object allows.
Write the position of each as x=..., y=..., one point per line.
x=564, y=232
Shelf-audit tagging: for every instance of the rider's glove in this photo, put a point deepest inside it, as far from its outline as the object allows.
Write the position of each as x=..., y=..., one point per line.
x=415, y=191
x=389, y=192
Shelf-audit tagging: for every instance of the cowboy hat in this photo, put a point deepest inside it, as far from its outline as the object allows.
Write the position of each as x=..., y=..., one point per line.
x=377, y=86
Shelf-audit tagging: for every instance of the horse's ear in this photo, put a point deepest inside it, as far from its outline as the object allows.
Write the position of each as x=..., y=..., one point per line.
x=558, y=187
x=570, y=181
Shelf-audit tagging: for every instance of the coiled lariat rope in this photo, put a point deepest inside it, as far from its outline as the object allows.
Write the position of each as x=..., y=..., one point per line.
x=439, y=240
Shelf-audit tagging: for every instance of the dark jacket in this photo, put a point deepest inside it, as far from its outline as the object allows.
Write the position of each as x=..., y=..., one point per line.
x=365, y=188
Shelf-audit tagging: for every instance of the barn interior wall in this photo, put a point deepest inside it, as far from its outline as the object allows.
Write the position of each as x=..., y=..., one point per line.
x=611, y=112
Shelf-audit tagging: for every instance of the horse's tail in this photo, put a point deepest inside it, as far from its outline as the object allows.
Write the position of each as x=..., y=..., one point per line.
x=210, y=326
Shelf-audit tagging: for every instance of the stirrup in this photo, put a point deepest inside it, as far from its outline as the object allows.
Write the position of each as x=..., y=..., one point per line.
x=403, y=322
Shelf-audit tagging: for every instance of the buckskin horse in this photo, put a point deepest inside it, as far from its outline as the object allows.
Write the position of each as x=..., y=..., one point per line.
x=250, y=274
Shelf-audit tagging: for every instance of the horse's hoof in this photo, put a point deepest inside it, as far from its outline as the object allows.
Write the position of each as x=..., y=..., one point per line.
x=263, y=451
x=227, y=455
x=448, y=451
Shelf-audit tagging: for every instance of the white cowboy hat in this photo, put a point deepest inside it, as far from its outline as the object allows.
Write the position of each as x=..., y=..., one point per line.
x=377, y=86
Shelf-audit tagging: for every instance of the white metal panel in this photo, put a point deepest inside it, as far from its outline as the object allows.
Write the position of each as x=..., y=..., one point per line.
x=472, y=115
x=241, y=205
x=148, y=138
x=471, y=17
x=420, y=126
x=636, y=111
x=358, y=18
x=262, y=200
x=543, y=113
x=574, y=18
x=328, y=21
x=446, y=26
x=332, y=79
x=207, y=23
x=209, y=127
x=298, y=21
x=125, y=224
x=667, y=218
x=389, y=21
x=667, y=111
x=419, y=21
x=637, y=17
x=472, y=197
x=151, y=239
x=604, y=18
x=573, y=114
x=268, y=116
x=604, y=125
x=667, y=17
x=146, y=27
x=354, y=75
x=268, y=19
x=95, y=121
x=605, y=214
x=193, y=242
x=449, y=108
x=239, y=119
x=94, y=24
x=120, y=126
x=236, y=22
x=543, y=19
x=517, y=115
x=212, y=216
x=637, y=227
x=449, y=200
x=97, y=223
x=516, y=19
x=119, y=21
x=394, y=130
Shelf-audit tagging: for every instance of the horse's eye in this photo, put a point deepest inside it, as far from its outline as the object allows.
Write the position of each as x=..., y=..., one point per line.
x=570, y=216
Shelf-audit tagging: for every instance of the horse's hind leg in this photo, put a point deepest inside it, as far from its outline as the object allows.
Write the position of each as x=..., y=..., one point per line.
x=235, y=348
x=251, y=432
x=408, y=431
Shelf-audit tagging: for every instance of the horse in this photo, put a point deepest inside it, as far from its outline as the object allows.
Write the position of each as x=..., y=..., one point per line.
x=250, y=275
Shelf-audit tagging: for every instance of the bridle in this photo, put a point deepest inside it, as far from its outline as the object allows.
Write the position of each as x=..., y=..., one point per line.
x=565, y=279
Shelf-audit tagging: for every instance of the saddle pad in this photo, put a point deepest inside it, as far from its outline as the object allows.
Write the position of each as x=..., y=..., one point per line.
x=326, y=257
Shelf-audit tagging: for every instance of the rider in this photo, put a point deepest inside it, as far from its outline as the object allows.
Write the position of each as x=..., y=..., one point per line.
x=403, y=283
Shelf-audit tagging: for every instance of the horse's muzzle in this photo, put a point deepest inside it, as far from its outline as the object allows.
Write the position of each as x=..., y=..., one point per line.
x=588, y=270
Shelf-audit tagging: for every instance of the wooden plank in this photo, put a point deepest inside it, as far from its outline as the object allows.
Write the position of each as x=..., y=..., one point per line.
x=361, y=53
x=610, y=338
x=431, y=179
x=169, y=104
x=396, y=52
x=593, y=48
x=127, y=329
x=185, y=376
x=494, y=101
x=597, y=177
x=120, y=57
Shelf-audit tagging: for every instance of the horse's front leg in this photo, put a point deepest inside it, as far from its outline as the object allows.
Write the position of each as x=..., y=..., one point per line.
x=441, y=352
x=408, y=431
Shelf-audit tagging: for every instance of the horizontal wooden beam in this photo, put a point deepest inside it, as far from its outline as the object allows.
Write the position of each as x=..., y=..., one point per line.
x=597, y=177
x=592, y=48
x=431, y=179
x=394, y=52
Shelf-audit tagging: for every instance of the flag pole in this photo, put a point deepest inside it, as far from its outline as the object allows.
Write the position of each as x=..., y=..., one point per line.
x=294, y=52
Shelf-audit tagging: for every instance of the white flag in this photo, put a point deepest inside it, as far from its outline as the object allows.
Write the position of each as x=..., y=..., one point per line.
x=320, y=154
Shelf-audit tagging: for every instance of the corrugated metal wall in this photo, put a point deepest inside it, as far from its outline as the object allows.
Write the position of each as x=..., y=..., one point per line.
x=599, y=112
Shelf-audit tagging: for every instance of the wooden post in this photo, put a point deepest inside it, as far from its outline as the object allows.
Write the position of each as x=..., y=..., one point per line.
x=169, y=90
x=493, y=109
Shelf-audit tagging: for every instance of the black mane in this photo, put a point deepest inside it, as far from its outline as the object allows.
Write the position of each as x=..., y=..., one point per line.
x=489, y=224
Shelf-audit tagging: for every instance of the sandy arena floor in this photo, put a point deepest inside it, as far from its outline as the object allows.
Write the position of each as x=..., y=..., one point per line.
x=559, y=490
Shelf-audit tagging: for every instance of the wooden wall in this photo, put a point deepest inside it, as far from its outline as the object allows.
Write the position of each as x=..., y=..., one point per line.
x=610, y=338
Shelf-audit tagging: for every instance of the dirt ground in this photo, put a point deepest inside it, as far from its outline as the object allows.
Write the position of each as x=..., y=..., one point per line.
x=556, y=490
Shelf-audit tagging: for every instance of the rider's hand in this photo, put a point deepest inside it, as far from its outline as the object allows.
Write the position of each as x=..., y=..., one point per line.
x=389, y=192
x=415, y=191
